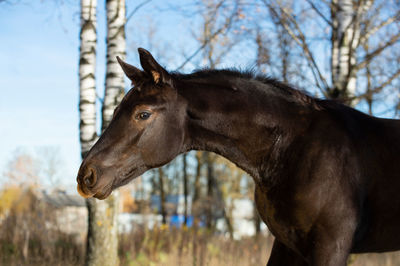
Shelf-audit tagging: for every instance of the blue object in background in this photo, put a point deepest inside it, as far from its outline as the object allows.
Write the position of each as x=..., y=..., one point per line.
x=178, y=220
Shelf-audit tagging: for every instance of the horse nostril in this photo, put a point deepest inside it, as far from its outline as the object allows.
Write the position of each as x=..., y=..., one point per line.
x=90, y=178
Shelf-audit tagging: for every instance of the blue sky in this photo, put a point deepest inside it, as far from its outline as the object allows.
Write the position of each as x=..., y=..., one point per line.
x=39, y=52
x=38, y=80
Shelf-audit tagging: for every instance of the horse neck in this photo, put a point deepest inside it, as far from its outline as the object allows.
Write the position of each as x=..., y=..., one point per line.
x=243, y=122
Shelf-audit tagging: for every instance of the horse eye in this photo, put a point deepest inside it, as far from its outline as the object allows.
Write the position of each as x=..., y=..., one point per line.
x=144, y=115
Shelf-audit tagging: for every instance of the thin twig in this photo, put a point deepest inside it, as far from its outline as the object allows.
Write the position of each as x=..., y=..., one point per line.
x=380, y=87
x=375, y=29
x=226, y=26
x=316, y=9
x=301, y=41
x=136, y=9
x=377, y=51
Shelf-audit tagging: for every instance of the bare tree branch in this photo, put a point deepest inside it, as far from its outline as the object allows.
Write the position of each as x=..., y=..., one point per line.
x=225, y=27
x=377, y=51
x=375, y=29
x=301, y=41
x=384, y=84
x=317, y=10
x=136, y=9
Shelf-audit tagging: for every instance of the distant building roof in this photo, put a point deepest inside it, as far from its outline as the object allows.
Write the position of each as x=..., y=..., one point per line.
x=60, y=198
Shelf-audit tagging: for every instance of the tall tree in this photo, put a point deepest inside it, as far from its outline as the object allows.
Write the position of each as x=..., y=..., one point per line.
x=102, y=241
x=346, y=16
x=185, y=186
x=87, y=70
x=162, y=195
x=116, y=46
x=197, y=187
x=351, y=26
x=211, y=186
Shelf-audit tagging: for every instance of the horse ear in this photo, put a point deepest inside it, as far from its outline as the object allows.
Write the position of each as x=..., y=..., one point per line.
x=133, y=73
x=154, y=69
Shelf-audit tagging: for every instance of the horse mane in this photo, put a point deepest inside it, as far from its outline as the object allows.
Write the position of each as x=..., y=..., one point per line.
x=218, y=77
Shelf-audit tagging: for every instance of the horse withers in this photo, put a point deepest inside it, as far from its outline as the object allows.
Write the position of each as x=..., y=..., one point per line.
x=327, y=176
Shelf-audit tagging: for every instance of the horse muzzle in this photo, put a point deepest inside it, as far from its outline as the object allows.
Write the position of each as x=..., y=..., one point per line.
x=90, y=185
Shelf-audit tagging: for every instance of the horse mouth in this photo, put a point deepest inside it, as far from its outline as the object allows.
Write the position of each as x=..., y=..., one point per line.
x=98, y=195
x=103, y=191
x=83, y=192
x=102, y=195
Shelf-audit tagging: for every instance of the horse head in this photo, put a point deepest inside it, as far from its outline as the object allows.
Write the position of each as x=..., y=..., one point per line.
x=147, y=131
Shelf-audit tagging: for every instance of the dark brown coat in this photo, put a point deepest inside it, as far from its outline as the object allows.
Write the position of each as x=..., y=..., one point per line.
x=327, y=176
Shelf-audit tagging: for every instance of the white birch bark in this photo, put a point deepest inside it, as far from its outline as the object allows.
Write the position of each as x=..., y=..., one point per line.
x=346, y=18
x=342, y=34
x=87, y=81
x=116, y=46
x=103, y=222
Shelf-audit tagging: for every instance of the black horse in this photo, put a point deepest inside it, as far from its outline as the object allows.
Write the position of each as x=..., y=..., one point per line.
x=327, y=176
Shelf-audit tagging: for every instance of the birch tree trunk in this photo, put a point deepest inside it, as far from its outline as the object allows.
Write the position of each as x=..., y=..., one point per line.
x=103, y=237
x=102, y=240
x=116, y=46
x=87, y=81
x=346, y=16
